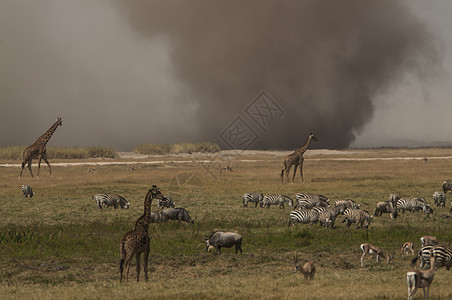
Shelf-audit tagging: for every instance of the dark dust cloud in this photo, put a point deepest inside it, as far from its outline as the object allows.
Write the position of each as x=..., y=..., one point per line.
x=123, y=73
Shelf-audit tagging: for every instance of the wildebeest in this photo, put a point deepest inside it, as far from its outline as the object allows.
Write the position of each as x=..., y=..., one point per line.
x=385, y=207
x=178, y=213
x=439, y=198
x=252, y=197
x=447, y=186
x=157, y=217
x=220, y=239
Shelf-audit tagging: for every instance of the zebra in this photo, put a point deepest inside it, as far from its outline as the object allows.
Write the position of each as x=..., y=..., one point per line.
x=256, y=198
x=307, y=201
x=413, y=204
x=303, y=216
x=439, y=198
x=27, y=191
x=167, y=202
x=276, y=200
x=110, y=200
x=442, y=254
x=360, y=217
x=349, y=203
x=328, y=215
x=447, y=186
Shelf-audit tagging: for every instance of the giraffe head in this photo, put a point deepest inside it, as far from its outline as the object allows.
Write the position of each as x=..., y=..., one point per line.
x=312, y=137
x=59, y=121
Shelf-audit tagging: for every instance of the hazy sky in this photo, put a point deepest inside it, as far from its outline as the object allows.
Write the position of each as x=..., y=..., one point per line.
x=124, y=73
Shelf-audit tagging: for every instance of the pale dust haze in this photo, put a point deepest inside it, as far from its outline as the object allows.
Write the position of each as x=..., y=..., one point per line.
x=124, y=73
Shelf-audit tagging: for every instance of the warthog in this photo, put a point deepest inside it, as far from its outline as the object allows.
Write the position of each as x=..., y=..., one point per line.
x=220, y=239
x=178, y=213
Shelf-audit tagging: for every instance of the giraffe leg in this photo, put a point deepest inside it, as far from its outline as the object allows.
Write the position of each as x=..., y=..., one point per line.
x=29, y=168
x=39, y=165
x=138, y=256
x=50, y=168
x=287, y=172
x=127, y=263
x=301, y=171
x=145, y=264
x=294, y=172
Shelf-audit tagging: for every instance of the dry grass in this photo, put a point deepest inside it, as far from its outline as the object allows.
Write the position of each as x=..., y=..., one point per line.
x=57, y=245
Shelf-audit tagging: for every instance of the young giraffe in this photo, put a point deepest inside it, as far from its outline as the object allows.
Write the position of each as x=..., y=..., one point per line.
x=38, y=149
x=296, y=159
x=137, y=240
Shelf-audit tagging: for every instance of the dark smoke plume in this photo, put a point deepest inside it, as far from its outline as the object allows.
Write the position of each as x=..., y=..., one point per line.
x=324, y=62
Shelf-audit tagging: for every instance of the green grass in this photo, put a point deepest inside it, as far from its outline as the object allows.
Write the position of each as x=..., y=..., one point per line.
x=57, y=245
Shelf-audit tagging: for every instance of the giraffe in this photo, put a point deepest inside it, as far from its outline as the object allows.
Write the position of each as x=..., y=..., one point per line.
x=296, y=159
x=137, y=240
x=38, y=149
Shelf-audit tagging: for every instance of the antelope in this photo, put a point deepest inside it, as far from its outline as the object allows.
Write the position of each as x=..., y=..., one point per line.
x=308, y=268
x=369, y=249
x=408, y=246
x=420, y=279
x=428, y=240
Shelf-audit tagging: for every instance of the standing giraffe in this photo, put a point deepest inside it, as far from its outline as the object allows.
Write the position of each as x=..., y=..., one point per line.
x=38, y=149
x=296, y=159
x=137, y=240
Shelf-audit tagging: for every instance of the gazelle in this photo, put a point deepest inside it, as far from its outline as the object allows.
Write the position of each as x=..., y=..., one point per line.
x=307, y=269
x=420, y=279
x=428, y=240
x=369, y=249
x=408, y=246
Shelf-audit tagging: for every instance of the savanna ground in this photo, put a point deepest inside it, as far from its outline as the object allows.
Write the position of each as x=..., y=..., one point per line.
x=57, y=245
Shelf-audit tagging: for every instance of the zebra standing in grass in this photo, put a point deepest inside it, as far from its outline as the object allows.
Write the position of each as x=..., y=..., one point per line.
x=27, y=191
x=328, y=215
x=256, y=198
x=167, y=202
x=276, y=200
x=439, y=198
x=413, y=205
x=307, y=200
x=110, y=200
x=360, y=217
x=303, y=216
x=442, y=254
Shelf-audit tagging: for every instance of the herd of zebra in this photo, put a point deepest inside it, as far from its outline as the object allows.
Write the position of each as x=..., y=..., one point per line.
x=315, y=208
x=167, y=207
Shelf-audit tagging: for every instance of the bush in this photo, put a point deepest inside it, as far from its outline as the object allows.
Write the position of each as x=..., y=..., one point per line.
x=161, y=149
x=15, y=152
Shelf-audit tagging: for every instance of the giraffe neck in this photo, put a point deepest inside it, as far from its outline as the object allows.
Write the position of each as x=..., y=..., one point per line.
x=144, y=220
x=303, y=148
x=43, y=139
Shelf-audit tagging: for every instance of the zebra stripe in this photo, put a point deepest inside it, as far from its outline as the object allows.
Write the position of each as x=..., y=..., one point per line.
x=110, y=200
x=414, y=204
x=276, y=200
x=27, y=191
x=308, y=201
x=439, y=198
x=250, y=197
x=358, y=216
x=442, y=254
x=167, y=201
x=303, y=216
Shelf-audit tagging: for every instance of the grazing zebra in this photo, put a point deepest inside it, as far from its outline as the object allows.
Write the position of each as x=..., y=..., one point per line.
x=439, y=198
x=110, y=200
x=447, y=186
x=276, y=200
x=167, y=202
x=358, y=216
x=256, y=198
x=307, y=201
x=349, y=203
x=414, y=204
x=442, y=254
x=303, y=216
x=27, y=191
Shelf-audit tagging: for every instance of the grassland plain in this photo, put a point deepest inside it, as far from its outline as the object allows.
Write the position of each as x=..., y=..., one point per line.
x=57, y=245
